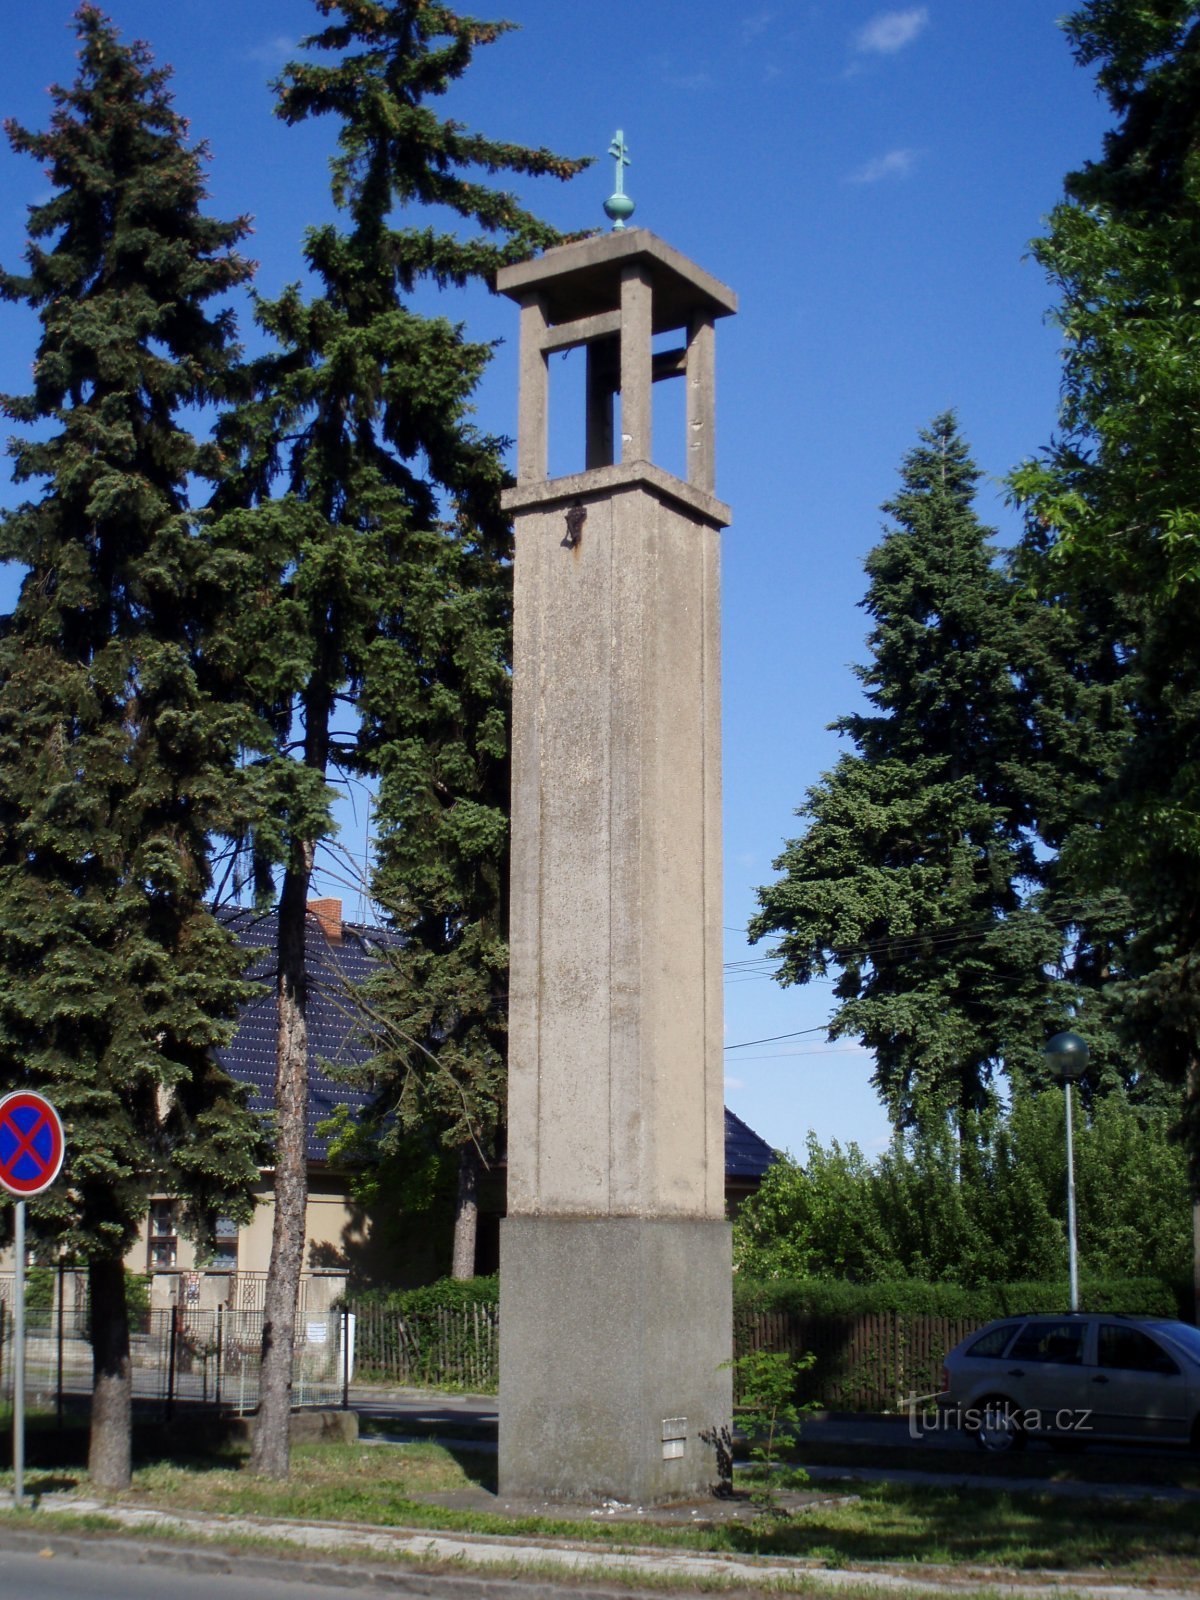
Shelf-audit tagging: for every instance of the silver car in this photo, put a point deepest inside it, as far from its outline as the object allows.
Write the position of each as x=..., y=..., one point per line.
x=1073, y=1378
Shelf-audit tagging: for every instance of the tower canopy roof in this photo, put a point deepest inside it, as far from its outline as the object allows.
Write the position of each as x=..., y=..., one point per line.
x=584, y=279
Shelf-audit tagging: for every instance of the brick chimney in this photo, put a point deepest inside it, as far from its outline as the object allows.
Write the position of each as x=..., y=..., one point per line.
x=329, y=914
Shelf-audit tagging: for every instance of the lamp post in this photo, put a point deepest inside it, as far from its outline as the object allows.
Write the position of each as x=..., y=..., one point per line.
x=1067, y=1054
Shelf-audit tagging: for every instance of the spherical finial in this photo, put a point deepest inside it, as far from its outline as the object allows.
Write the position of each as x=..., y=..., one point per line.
x=619, y=207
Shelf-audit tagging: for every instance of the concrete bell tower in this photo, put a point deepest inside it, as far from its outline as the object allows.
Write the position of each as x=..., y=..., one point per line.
x=615, y=1277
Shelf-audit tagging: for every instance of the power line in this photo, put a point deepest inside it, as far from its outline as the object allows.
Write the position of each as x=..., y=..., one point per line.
x=791, y=1055
x=745, y=1043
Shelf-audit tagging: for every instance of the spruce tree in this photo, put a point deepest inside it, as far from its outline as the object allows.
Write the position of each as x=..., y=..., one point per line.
x=912, y=876
x=119, y=723
x=362, y=476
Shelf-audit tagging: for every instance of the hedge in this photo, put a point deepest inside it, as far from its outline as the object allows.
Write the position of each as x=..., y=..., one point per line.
x=444, y=1334
x=817, y=1297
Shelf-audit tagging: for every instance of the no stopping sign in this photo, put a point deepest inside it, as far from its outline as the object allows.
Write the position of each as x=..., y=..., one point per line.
x=31, y=1143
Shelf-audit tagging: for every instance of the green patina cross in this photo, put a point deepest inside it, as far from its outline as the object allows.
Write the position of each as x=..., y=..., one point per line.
x=619, y=206
x=620, y=150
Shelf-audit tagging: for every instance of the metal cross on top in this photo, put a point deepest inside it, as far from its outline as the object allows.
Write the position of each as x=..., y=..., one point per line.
x=618, y=206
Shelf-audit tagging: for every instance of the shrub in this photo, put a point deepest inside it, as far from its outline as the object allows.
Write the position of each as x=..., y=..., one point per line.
x=819, y=1297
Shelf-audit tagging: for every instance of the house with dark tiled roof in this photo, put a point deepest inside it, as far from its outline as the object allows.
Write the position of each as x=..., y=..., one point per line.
x=341, y=1239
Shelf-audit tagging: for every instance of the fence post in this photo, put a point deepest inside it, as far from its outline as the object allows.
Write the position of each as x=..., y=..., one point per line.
x=171, y=1364
x=345, y=1356
x=62, y=1284
x=220, y=1353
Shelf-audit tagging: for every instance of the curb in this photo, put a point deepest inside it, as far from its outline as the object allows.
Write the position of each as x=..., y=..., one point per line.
x=206, y=1559
x=430, y=1574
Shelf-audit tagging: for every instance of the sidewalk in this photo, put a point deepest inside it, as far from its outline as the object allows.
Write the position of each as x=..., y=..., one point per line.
x=523, y=1566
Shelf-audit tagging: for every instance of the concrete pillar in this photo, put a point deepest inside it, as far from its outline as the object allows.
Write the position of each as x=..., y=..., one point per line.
x=533, y=440
x=615, y=1257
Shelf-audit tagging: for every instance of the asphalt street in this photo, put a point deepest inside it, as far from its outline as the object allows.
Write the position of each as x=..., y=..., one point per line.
x=68, y=1577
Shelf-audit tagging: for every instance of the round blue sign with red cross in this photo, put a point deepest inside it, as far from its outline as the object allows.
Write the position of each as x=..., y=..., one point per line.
x=31, y=1143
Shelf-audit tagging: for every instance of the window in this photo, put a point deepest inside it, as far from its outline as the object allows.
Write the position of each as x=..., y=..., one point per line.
x=164, y=1240
x=1049, y=1341
x=994, y=1342
x=225, y=1258
x=1131, y=1350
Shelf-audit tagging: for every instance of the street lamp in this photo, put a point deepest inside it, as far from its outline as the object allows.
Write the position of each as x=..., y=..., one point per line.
x=1067, y=1054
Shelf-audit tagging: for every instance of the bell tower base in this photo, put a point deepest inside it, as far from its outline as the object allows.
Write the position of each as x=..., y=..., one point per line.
x=616, y=1338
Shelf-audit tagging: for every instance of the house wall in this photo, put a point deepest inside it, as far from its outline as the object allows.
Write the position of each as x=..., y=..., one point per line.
x=338, y=1242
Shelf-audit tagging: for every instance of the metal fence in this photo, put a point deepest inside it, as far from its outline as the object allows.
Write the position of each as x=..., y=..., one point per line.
x=454, y=1347
x=179, y=1357
x=862, y=1363
x=204, y=1357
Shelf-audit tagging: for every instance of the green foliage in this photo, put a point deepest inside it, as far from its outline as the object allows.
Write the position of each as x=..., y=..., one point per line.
x=813, y=1218
x=1113, y=505
x=444, y=1333
x=989, y=1209
x=825, y=1297
x=766, y=1384
x=39, y=1288
x=450, y=1294
x=120, y=716
x=374, y=503
x=40, y=1292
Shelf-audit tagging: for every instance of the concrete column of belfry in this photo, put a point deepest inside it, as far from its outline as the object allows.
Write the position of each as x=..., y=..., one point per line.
x=615, y=1279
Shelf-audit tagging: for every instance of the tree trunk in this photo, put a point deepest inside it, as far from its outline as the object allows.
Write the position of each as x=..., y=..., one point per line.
x=270, y=1455
x=466, y=1213
x=112, y=1383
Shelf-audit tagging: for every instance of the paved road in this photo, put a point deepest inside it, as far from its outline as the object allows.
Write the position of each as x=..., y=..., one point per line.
x=68, y=1577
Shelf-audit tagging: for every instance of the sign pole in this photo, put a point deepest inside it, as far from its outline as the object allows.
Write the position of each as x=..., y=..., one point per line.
x=31, y=1156
x=18, y=1422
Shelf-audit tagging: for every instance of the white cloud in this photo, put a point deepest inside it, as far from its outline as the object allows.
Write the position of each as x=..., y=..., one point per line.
x=895, y=164
x=891, y=31
x=272, y=52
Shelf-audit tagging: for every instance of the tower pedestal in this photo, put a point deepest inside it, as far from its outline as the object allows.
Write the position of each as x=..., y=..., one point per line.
x=616, y=1337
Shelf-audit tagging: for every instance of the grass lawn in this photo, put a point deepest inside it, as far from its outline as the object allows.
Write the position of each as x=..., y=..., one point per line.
x=375, y=1483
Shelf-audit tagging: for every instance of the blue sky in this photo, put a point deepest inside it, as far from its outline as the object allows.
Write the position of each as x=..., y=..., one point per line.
x=867, y=177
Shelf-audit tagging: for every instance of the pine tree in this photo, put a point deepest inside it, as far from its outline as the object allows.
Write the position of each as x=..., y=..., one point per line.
x=390, y=551
x=913, y=874
x=119, y=727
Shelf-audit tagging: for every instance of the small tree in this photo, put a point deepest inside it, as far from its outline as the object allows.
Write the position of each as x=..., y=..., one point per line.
x=119, y=728
x=766, y=1382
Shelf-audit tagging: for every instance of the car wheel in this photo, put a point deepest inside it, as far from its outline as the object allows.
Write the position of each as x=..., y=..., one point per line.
x=999, y=1432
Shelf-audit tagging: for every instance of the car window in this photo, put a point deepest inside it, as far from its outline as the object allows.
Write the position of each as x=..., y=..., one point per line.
x=994, y=1342
x=1049, y=1341
x=1130, y=1349
x=1181, y=1333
